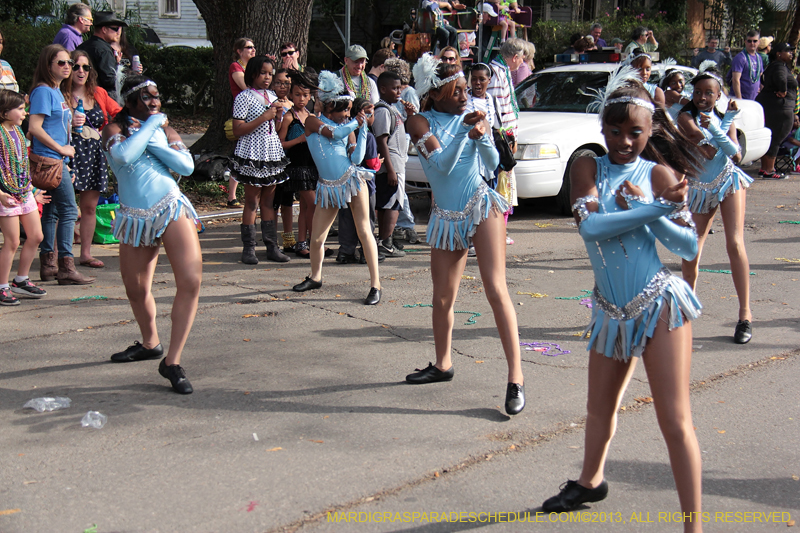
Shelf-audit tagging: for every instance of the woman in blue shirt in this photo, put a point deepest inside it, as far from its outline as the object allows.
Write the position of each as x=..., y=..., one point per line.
x=51, y=124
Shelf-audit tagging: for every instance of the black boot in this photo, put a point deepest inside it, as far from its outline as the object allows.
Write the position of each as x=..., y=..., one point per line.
x=269, y=232
x=249, y=244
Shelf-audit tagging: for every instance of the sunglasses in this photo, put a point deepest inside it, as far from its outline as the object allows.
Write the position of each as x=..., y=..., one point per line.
x=147, y=97
x=288, y=53
x=62, y=62
x=251, y=47
x=749, y=41
x=449, y=59
x=115, y=29
x=86, y=68
x=87, y=20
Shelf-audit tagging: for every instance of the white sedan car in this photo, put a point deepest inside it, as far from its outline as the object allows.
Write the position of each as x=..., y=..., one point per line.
x=555, y=129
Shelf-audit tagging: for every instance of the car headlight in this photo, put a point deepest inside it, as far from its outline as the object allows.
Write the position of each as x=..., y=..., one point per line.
x=537, y=151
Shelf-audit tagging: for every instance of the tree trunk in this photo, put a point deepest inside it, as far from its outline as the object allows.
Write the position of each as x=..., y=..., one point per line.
x=269, y=23
x=794, y=33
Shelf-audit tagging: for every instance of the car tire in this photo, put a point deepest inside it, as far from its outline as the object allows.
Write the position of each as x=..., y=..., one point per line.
x=563, y=198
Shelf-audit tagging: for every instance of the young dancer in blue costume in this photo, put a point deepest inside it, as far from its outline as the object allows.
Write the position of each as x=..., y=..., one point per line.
x=453, y=147
x=673, y=84
x=623, y=204
x=641, y=61
x=142, y=149
x=337, y=146
x=719, y=184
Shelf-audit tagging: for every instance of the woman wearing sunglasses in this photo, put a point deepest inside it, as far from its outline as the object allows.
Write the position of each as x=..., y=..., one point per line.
x=142, y=149
x=243, y=51
x=89, y=164
x=50, y=126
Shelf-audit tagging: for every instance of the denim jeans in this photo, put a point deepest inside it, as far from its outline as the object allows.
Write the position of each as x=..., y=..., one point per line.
x=405, y=219
x=61, y=210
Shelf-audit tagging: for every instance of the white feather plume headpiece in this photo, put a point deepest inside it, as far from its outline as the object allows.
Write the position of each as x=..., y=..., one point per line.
x=425, y=75
x=633, y=56
x=331, y=87
x=623, y=76
x=703, y=70
x=667, y=68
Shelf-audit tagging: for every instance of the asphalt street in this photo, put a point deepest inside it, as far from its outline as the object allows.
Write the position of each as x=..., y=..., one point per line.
x=300, y=420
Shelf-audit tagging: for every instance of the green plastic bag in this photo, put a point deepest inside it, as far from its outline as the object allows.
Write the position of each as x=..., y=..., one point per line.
x=103, y=233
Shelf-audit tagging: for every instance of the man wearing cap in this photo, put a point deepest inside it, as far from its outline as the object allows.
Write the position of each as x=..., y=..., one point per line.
x=107, y=30
x=354, y=74
x=617, y=43
x=764, y=48
x=78, y=21
x=746, y=69
x=711, y=52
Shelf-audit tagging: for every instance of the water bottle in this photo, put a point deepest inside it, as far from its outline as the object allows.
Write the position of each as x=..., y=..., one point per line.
x=79, y=109
x=135, y=64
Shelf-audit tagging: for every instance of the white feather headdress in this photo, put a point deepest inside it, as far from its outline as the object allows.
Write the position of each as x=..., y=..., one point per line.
x=623, y=76
x=425, y=76
x=703, y=69
x=331, y=87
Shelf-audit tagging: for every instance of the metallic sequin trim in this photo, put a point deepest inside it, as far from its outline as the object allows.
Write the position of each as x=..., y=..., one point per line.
x=639, y=303
x=632, y=100
x=630, y=198
x=323, y=126
x=455, y=216
x=114, y=139
x=344, y=177
x=421, y=144
x=580, y=206
x=686, y=216
x=714, y=184
x=179, y=145
x=676, y=206
x=157, y=209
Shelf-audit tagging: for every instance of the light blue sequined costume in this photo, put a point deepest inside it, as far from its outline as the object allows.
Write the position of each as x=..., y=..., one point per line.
x=720, y=176
x=461, y=198
x=148, y=195
x=340, y=176
x=632, y=286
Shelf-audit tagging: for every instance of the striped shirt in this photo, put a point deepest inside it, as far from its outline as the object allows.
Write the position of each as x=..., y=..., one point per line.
x=499, y=87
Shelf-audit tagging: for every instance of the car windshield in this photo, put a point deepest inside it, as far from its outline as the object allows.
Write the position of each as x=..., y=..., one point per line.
x=566, y=91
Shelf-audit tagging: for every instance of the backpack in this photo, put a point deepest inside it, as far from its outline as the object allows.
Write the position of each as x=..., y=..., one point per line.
x=210, y=167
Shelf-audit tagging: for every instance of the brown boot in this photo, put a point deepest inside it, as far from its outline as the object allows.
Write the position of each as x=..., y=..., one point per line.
x=47, y=266
x=67, y=275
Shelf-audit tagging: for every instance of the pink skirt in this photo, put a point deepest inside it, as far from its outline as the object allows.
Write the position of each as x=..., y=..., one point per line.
x=23, y=208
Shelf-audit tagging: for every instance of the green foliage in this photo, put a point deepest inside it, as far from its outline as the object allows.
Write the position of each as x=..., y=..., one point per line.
x=23, y=42
x=551, y=37
x=185, y=76
x=23, y=10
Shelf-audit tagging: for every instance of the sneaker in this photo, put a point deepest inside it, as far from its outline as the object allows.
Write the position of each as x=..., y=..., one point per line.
x=387, y=248
x=471, y=251
x=176, y=376
x=363, y=259
x=771, y=175
x=6, y=298
x=234, y=203
x=411, y=236
x=27, y=289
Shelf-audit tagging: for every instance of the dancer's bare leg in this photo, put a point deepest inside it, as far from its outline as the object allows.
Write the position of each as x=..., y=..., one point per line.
x=447, y=266
x=323, y=219
x=667, y=361
x=359, y=205
x=490, y=249
x=732, y=209
x=690, y=269
x=137, y=266
x=183, y=251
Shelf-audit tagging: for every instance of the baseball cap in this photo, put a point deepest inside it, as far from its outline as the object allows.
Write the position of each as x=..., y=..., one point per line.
x=782, y=47
x=764, y=42
x=487, y=8
x=356, y=52
x=617, y=40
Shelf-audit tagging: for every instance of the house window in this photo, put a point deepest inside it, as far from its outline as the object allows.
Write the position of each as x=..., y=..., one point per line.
x=169, y=8
x=117, y=6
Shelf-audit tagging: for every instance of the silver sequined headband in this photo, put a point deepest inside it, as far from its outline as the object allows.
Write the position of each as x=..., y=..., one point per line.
x=439, y=83
x=148, y=83
x=632, y=100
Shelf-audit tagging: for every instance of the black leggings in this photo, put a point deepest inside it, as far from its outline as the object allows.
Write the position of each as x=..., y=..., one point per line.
x=779, y=118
